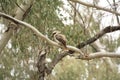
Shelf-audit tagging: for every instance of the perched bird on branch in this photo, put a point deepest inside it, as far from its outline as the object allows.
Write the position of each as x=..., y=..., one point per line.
x=60, y=39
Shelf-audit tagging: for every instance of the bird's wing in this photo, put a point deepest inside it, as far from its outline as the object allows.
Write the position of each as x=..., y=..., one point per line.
x=61, y=38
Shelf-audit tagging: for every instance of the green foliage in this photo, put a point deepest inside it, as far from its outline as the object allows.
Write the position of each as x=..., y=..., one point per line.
x=6, y=7
x=43, y=15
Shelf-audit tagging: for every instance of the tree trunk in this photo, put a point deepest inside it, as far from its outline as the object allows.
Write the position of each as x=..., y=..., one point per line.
x=20, y=14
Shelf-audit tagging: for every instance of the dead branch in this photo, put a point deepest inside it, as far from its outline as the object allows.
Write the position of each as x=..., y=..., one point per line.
x=94, y=6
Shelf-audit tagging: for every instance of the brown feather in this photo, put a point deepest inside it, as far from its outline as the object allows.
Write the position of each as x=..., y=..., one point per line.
x=62, y=39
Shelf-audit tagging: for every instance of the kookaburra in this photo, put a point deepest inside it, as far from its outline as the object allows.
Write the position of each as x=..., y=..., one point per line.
x=60, y=39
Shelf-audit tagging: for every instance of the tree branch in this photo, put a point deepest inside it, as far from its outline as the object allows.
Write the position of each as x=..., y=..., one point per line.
x=89, y=41
x=56, y=59
x=101, y=48
x=41, y=64
x=94, y=6
x=98, y=35
x=19, y=14
x=100, y=54
x=71, y=48
x=38, y=33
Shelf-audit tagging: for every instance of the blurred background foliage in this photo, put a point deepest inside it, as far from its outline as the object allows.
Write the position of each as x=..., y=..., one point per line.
x=18, y=59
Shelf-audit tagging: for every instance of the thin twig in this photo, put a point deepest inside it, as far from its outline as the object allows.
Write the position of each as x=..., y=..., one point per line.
x=94, y=6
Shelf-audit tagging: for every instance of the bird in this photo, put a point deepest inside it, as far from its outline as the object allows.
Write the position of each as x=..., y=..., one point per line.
x=60, y=39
